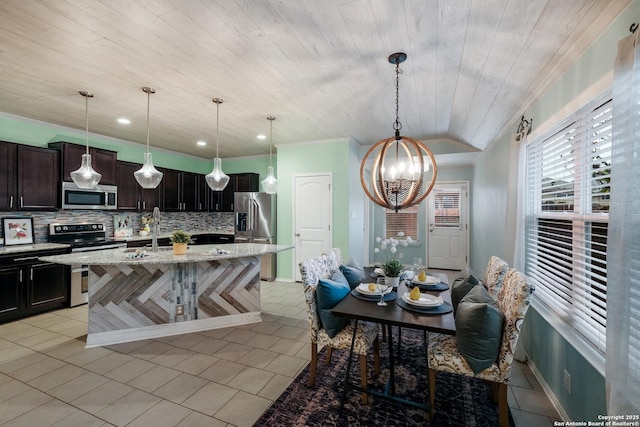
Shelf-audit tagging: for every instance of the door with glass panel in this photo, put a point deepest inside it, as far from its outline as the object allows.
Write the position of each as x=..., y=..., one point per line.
x=447, y=226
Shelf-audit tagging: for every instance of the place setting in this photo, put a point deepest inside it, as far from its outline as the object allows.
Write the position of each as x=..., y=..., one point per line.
x=378, y=291
x=423, y=303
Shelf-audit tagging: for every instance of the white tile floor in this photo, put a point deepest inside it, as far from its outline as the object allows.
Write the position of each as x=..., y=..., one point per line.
x=224, y=377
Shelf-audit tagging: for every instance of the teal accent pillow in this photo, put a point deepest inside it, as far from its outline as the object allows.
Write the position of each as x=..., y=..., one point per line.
x=479, y=324
x=353, y=274
x=460, y=286
x=328, y=294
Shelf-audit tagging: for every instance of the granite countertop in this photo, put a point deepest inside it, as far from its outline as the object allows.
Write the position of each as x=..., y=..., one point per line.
x=165, y=254
x=8, y=250
x=165, y=235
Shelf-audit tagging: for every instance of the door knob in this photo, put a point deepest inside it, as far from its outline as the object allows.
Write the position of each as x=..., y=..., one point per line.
x=297, y=234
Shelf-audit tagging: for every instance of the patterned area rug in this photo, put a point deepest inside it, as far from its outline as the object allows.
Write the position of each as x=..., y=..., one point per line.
x=460, y=401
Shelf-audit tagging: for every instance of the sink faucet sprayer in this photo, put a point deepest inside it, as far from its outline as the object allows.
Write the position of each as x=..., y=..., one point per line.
x=155, y=229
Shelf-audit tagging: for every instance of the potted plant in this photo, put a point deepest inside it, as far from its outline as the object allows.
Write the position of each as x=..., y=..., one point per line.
x=180, y=240
x=392, y=266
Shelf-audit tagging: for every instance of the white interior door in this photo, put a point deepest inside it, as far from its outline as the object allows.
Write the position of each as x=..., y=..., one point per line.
x=448, y=226
x=312, y=217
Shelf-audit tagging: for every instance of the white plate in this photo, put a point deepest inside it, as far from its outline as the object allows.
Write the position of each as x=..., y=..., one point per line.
x=363, y=288
x=430, y=281
x=426, y=300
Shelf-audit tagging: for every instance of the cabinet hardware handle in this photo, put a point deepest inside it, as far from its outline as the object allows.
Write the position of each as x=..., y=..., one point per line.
x=11, y=202
x=20, y=276
x=199, y=206
x=31, y=274
x=26, y=258
x=144, y=204
x=21, y=202
x=138, y=204
x=297, y=234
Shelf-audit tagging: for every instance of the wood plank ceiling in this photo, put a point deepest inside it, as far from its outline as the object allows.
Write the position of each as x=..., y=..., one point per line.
x=319, y=66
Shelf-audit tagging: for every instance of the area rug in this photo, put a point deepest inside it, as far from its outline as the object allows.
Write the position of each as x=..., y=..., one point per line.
x=460, y=401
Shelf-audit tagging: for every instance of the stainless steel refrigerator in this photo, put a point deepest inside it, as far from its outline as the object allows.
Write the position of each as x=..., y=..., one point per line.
x=255, y=222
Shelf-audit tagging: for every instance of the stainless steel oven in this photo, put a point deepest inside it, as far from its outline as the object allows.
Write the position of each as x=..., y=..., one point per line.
x=83, y=237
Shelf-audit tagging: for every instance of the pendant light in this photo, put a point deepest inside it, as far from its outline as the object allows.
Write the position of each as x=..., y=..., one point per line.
x=86, y=177
x=217, y=179
x=399, y=176
x=148, y=176
x=270, y=183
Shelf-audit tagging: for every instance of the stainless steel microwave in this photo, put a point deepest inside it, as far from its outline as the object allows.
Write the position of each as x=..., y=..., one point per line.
x=100, y=197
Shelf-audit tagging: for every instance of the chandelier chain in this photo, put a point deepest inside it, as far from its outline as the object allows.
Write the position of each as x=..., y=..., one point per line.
x=397, y=125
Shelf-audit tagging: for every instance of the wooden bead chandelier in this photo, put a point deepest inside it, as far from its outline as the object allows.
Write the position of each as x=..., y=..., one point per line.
x=400, y=172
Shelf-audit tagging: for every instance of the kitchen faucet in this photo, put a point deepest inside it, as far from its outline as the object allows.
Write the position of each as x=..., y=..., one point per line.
x=155, y=229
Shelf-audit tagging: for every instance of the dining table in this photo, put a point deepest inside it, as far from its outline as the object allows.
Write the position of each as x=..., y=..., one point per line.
x=397, y=313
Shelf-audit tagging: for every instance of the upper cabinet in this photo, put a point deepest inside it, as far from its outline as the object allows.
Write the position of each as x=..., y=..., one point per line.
x=37, y=178
x=247, y=182
x=180, y=191
x=222, y=201
x=130, y=195
x=8, y=189
x=103, y=161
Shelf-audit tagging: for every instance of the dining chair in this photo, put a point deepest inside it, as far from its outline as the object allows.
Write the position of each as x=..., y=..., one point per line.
x=494, y=275
x=322, y=267
x=443, y=353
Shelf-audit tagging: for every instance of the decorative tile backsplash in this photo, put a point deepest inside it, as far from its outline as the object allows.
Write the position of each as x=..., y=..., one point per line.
x=188, y=221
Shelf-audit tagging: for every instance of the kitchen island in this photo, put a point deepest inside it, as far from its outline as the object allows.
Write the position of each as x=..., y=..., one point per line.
x=134, y=297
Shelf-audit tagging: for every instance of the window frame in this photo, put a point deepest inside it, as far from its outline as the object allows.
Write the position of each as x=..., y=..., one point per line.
x=572, y=326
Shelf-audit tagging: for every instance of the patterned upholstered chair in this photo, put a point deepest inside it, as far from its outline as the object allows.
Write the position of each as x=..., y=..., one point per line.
x=443, y=354
x=494, y=275
x=322, y=267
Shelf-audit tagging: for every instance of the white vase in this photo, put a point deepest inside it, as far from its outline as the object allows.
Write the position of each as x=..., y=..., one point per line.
x=392, y=281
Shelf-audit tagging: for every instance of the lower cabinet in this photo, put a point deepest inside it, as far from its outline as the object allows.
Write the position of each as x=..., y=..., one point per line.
x=28, y=286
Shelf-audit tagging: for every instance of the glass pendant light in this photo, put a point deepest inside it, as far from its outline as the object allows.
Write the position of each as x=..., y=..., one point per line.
x=217, y=179
x=270, y=183
x=148, y=176
x=86, y=177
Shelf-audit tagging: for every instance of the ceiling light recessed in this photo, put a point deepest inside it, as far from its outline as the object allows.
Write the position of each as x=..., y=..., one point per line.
x=124, y=121
x=261, y=136
x=201, y=143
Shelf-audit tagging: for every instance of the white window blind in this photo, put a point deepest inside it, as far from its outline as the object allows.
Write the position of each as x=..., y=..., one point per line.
x=446, y=207
x=568, y=187
x=405, y=220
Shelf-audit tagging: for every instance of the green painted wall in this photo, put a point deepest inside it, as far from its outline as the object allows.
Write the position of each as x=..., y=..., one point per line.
x=547, y=349
x=29, y=132
x=299, y=159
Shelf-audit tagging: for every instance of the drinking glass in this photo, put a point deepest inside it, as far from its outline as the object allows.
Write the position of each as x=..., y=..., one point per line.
x=382, y=287
x=417, y=263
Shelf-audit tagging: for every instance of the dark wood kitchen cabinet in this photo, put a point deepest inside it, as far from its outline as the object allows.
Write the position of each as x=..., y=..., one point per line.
x=180, y=191
x=37, y=178
x=29, y=286
x=222, y=201
x=103, y=161
x=8, y=188
x=130, y=195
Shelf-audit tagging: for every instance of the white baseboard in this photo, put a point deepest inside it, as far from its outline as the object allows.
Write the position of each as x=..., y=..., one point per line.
x=98, y=339
x=547, y=390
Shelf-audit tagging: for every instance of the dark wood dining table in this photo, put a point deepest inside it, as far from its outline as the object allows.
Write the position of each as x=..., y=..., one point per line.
x=393, y=315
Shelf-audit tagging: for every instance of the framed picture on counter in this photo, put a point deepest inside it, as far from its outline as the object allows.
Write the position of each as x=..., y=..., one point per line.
x=122, y=226
x=18, y=230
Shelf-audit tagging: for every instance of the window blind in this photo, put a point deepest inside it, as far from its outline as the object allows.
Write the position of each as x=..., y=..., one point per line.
x=568, y=188
x=405, y=220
